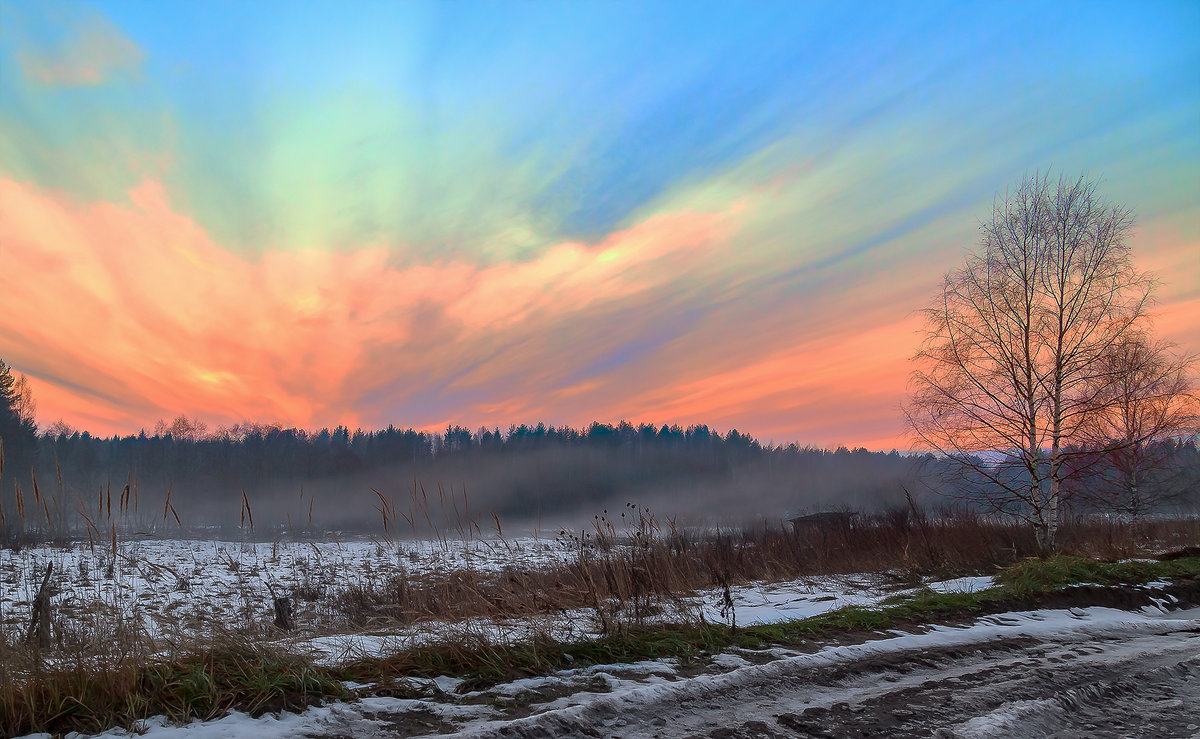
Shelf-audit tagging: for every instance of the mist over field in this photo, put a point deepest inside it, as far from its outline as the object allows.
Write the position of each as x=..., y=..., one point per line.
x=529, y=477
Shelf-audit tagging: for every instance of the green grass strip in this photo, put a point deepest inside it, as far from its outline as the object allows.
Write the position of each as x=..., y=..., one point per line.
x=1033, y=576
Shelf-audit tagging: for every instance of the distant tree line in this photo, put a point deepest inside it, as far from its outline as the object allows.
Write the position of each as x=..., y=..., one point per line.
x=517, y=472
x=184, y=475
x=522, y=474
x=254, y=454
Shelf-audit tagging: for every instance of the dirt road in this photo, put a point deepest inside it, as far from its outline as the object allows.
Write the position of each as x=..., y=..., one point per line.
x=1091, y=672
x=1055, y=672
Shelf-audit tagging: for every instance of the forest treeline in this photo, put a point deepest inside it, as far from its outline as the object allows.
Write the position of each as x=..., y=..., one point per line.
x=521, y=473
x=337, y=478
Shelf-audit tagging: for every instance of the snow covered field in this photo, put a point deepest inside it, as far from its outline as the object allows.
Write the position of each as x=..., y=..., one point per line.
x=187, y=587
x=756, y=603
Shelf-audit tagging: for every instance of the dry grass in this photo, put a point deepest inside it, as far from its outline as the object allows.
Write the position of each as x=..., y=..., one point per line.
x=91, y=693
x=627, y=576
x=631, y=570
x=206, y=682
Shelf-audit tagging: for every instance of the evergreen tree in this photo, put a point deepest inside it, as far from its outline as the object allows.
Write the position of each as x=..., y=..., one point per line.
x=18, y=432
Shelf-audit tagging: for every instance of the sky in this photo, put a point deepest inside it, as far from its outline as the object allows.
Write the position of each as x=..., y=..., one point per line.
x=493, y=213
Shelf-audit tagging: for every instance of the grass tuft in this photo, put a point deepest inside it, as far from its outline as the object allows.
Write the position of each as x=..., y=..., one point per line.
x=1036, y=575
x=200, y=685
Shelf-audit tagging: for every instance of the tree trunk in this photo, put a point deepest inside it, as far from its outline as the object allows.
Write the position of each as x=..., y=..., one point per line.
x=283, y=613
x=39, y=620
x=1052, y=519
x=1052, y=500
x=1042, y=536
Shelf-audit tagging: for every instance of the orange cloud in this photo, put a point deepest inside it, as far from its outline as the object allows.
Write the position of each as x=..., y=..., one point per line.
x=92, y=52
x=126, y=313
x=1169, y=252
x=830, y=390
x=133, y=309
x=569, y=277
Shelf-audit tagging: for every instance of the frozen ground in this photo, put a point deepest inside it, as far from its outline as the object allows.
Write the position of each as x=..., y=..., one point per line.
x=189, y=585
x=181, y=587
x=1092, y=671
x=1081, y=672
x=756, y=603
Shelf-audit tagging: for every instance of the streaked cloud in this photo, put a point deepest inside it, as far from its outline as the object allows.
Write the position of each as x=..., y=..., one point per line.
x=671, y=214
x=158, y=318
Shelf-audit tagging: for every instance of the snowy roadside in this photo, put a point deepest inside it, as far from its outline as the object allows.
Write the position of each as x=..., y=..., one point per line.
x=745, y=687
x=658, y=698
x=754, y=603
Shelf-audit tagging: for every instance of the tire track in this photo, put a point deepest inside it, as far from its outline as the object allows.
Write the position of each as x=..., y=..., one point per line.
x=1048, y=673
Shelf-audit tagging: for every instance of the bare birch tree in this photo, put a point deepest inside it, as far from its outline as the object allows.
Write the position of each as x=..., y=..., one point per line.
x=1147, y=411
x=1009, y=372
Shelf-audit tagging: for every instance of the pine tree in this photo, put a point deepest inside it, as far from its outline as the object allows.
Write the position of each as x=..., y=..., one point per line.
x=18, y=432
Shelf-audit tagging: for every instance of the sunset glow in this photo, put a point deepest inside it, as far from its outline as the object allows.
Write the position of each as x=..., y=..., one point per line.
x=492, y=214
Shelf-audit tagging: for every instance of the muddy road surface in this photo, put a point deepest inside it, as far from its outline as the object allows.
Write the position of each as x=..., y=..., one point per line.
x=1091, y=672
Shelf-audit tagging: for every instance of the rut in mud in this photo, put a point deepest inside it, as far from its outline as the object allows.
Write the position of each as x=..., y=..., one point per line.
x=1041, y=673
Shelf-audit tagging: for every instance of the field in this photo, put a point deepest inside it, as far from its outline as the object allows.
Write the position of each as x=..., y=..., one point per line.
x=462, y=633
x=158, y=590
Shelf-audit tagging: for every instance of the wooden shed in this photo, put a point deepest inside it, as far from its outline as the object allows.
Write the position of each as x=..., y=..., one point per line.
x=830, y=521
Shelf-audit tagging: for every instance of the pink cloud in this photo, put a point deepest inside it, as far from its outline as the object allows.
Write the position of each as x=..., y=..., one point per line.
x=139, y=306
x=126, y=313
x=1169, y=252
x=826, y=389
